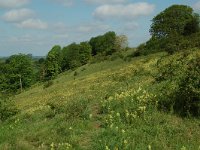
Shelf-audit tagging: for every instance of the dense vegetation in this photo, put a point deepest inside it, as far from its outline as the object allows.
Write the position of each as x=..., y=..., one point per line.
x=99, y=95
x=20, y=71
x=174, y=29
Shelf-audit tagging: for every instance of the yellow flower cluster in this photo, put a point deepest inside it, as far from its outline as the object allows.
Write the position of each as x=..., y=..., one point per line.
x=54, y=146
x=135, y=102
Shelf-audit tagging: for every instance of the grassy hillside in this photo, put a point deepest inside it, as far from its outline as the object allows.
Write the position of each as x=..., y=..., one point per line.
x=107, y=105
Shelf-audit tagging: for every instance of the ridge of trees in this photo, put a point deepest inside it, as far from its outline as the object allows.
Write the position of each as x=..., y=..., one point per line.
x=20, y=71
x=174, y=29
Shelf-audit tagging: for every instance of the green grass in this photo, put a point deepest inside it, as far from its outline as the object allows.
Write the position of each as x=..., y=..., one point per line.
x=108, y=105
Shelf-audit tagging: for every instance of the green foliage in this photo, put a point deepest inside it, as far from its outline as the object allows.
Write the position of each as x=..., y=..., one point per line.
x=48, y=83
x=7, y=109
x=41, y=70
x=194, y=39
x=16, y=73
x=181, y=84
x=192, y=26
x=53, y=63
x=176, y=19
x=103, y=44
x=71, y=56
x=76, y=55
x=174, y=29
x=154, y=45
x=41, y=61
x=85, y=52
x=174, y=43
x=188, y=93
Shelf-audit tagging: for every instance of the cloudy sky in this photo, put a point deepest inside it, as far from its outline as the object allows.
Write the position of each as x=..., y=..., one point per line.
x=34, y=26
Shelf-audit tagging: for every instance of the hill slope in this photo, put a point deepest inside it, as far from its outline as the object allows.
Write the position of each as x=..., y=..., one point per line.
x=105, y=106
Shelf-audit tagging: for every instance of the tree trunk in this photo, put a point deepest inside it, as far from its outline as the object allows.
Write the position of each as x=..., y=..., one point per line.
x=20, y=82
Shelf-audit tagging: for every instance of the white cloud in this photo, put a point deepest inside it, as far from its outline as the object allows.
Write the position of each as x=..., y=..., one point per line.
x=126, y=11
x=93, y=27
x=33, y=24
x=105, y=1
x=24, y=18
x=59, y=27
x=64, y=2
x=196, y=6
x=18, y=15
x=61, y=36
x=13, y=3
x=131, y=26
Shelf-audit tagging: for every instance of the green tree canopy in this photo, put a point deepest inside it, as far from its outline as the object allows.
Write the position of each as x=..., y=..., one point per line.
x=85, y=52
x=16, y=73
x=174, y=29
x=176, y=19
x=53, y=62
x=71, y=57
x=103, y=44
x=75, y=55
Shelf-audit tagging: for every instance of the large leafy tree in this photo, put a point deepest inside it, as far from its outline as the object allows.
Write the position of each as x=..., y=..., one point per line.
x=103, y=44
x=176, y=28
x=109, y=42
x=71, y=56
x=16, y=73
x=53, y=62
x=176, y=19
x=75, y=55
x=96, y=43
x=85, y=52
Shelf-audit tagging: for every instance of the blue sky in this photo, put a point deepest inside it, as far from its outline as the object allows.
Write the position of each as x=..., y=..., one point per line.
x=34, y=26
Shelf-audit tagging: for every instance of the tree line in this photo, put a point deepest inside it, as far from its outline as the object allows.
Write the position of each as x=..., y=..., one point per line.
x=174, y=29
x=21, y=71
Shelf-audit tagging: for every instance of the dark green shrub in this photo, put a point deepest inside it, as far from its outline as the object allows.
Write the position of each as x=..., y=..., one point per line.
x=7, y=110
x=75, y=74
x=139, y=50
x=48, y=83
x=136, y=53
x=128, y=58
x=188, y=93
x=180, y=77
x=83, y=69
x=175, y=43
x=116, y=55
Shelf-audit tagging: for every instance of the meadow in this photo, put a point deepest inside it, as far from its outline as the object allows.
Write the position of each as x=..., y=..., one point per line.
x=109, y=105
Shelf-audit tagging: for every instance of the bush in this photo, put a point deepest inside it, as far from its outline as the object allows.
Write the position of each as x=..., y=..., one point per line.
x=180, y=75
x=48, y=84
x=188, y=93
x=7, y=110
x=152, y=46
